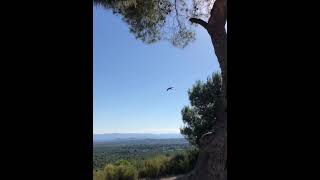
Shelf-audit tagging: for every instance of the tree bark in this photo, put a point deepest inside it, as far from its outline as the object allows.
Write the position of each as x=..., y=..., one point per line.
x=212, y=161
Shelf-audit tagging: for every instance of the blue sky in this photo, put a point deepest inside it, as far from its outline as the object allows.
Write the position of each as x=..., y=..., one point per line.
x=130, y=78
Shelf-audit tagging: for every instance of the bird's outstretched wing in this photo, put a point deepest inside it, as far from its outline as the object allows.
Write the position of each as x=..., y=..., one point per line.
x=170, y=88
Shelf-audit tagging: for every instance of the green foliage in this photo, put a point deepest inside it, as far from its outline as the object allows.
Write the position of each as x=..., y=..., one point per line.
x=122, y=162
x=160, y=166
x=98, y=175
x=110, y=152
x=154, y=167
x=157, y=166
x=127, y=172
x=145, y=18
x=199, y=118
x=122, y=170
x=110, y=172
x=183, y=163
x=154, y=20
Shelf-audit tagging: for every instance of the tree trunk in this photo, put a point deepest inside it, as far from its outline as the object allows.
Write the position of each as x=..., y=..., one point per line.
x=212, y=161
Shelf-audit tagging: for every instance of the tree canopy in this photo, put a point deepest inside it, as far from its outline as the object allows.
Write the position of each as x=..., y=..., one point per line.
x=199, y=118
x=154, y=20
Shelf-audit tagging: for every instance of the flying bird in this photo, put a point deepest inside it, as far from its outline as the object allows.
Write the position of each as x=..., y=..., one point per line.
x=170, y=88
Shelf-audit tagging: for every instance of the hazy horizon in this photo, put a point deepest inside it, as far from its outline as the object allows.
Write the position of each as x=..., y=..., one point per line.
x=134, y=136
x=160, y=133
x=142, y=131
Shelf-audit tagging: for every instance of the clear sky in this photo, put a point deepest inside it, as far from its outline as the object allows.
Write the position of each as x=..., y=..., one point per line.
x=130, y=78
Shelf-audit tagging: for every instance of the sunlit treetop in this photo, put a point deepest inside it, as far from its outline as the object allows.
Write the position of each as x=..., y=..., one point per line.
x=154, y=20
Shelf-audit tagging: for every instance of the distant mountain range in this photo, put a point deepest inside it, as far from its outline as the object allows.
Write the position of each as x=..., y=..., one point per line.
x=132, y=136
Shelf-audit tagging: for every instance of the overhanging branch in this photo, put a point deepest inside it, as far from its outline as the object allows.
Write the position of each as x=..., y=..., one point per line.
x=199, y=21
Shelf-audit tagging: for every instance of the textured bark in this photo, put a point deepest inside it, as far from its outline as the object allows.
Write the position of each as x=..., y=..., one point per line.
x=212, y=161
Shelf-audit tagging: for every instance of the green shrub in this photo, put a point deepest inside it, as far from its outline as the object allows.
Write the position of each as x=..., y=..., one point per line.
x=154, y=167
x=183, y=162
x=127, y=172
x=121, y=170
x=98, y=175
x=163, y=165
x=158, y=166
x=110, y=172
x=122, y=162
